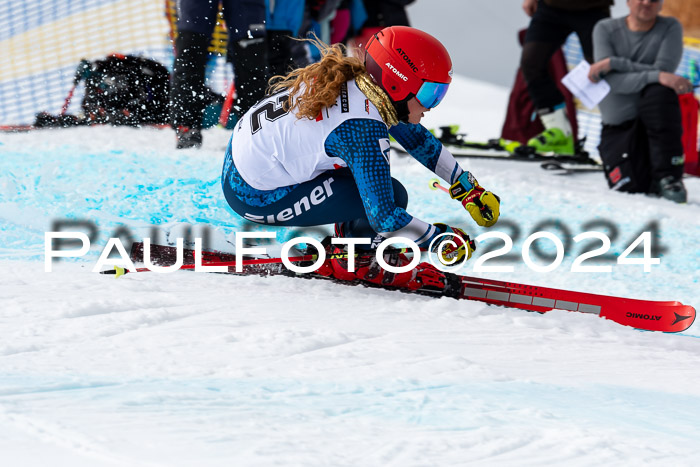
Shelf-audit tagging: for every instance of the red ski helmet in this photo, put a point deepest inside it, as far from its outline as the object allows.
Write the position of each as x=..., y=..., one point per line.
x=407, y=62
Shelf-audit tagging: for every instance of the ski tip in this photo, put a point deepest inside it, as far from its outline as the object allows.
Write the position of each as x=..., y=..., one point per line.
x=663, y=317
x=683, y=318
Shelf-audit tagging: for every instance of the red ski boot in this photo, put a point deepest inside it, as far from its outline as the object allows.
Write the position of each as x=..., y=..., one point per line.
x=367, y=268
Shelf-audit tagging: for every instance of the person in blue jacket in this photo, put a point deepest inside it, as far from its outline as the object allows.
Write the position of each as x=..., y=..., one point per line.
x=316, y=151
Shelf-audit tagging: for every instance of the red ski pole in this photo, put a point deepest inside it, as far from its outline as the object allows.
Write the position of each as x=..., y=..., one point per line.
x=228, y=103
x=79, y=74
x=435, y=185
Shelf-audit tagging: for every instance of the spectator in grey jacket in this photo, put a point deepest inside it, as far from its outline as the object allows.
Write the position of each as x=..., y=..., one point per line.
x=641, y=145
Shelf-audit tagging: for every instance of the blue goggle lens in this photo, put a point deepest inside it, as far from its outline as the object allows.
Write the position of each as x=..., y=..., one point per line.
x=431, y=94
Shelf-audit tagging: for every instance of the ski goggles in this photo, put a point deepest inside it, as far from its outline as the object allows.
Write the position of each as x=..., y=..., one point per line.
x=431, y=94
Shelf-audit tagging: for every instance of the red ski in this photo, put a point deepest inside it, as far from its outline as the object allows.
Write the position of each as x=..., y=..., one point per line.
x=641, y=314
x=668, y=316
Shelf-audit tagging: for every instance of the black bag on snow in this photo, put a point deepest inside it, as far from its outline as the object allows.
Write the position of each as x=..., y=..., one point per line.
x=126, y=90
x=119, y=90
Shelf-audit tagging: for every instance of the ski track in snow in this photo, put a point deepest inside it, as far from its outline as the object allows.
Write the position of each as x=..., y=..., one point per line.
x=197, y=369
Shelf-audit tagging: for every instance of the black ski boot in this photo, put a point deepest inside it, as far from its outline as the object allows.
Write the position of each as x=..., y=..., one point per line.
x=671, y=188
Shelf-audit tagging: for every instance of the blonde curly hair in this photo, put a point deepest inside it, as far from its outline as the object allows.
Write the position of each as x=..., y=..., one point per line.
x=321, y=81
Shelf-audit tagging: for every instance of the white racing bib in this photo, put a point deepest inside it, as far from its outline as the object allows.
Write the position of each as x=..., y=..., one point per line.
x=272, y=147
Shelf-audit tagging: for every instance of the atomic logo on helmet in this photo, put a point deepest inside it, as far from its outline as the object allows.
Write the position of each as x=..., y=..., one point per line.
x=407, y=60
x=420, y=65
x=398, y=73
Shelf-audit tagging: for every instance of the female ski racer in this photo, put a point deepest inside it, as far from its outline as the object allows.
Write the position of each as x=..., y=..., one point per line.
x=316, y=151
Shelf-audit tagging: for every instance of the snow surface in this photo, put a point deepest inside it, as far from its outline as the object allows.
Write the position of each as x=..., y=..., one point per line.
x=197, y=369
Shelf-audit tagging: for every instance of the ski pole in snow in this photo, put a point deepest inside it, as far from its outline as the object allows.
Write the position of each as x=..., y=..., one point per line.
x=83, y=72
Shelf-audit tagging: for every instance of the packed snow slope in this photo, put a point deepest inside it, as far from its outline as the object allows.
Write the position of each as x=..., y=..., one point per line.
x=190, y=369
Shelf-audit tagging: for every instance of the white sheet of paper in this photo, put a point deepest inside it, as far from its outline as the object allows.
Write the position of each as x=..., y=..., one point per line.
x=588, y=92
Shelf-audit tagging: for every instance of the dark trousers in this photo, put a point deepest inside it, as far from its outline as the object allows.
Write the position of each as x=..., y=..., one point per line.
x=200, y=16
x=548, y=30
x=248, y=46
x=648, y=148
x=329, y=198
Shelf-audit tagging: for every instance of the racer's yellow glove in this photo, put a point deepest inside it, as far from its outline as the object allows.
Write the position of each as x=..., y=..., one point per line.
x=483, y=206
x=452, y=249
